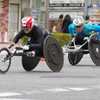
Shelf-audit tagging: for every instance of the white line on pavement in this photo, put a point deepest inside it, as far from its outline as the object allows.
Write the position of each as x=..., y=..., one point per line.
x=4, y=94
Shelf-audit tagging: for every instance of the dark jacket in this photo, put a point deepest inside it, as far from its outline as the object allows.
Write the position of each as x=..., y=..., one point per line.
x=66, y=22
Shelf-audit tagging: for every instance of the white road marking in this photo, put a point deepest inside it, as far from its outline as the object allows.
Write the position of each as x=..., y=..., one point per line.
x=33, y=92
x=56, y=90
x=65, y=89
x=4, y=94
x=79, y=89
x=14, y=99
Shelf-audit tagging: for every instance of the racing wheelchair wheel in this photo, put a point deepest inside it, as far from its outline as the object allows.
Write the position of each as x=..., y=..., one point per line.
x=29, y=63
x=74, y=57
x=94, y=49
x=4, y=62
x=53, y=53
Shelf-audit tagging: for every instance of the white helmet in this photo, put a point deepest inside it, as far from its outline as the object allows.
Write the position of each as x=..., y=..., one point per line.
x=78, y=21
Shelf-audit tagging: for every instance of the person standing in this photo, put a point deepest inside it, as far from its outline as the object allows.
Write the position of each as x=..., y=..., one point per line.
x=54, y=28
x=66, y=22
x=87, y=20
x=59, y=24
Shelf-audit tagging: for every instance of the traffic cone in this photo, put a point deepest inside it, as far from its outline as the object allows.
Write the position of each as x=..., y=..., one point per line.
x=0, y=37
x=42, y=59
x=6, y=37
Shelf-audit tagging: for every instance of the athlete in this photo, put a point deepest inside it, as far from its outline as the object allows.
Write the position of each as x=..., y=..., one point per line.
x=36, y=33
x=83, y=31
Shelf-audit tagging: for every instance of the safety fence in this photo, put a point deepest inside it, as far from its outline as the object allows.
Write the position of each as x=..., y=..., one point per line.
x=4, y=36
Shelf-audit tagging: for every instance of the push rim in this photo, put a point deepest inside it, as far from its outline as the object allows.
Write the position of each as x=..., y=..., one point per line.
x=4, y=65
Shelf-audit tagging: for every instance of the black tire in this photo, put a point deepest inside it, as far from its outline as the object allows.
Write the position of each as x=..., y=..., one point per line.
x=94, y=49
x=29, y=63
x=74, y=58
x=4, y=65
x=53, y=54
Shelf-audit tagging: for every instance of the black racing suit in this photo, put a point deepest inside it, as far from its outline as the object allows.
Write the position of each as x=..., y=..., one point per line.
x=37, y=36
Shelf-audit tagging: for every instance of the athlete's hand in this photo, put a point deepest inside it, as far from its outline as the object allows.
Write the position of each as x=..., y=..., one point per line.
x=26, y=47
x=11, y=45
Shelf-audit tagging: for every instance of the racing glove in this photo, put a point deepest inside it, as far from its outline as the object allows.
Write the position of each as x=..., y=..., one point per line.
x=26, y=47
x=11, y=45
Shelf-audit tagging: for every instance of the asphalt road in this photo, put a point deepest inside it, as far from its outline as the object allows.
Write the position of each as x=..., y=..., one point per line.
x=80, y=82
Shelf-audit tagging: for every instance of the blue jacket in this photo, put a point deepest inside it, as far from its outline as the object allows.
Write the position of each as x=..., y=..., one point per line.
x=87, y=29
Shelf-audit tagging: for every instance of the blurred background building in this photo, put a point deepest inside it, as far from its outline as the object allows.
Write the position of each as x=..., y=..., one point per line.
x=45, y=12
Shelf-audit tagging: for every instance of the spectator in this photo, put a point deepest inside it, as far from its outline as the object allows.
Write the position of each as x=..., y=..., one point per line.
x=87, y=20
x=66, y=22
x=59, y=24
x=54, y=27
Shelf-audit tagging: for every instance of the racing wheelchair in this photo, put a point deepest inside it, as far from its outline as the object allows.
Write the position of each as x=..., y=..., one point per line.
x=76, y=52
x=53, y=55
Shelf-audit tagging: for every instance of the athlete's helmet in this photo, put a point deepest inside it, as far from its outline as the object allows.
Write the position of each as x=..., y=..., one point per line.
x=78, y=21
x=28, y=21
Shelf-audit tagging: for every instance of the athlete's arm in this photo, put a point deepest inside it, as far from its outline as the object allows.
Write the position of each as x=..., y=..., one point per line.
x=18, y=36
x=71, y=29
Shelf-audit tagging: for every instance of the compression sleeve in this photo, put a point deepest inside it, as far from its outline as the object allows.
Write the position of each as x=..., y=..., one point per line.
x=71, y=30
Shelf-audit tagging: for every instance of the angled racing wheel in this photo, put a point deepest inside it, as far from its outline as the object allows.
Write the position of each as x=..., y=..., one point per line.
x=53, y=53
